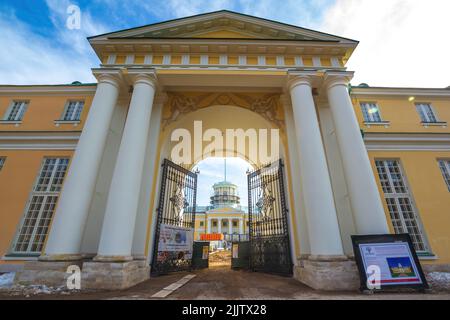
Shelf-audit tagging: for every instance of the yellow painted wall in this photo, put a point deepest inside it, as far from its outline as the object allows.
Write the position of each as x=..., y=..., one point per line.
x=224, y=34
x=402, y=114
x=17, y=179
x=429, y=192
x=42, y=111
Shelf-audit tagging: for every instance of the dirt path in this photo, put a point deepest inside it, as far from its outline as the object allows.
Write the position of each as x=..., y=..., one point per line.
x=220, y=259
x=218, y=283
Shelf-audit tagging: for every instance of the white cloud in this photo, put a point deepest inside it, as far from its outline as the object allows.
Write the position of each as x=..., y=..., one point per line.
x=28, y=58
x=402, y=42
x=63, y=57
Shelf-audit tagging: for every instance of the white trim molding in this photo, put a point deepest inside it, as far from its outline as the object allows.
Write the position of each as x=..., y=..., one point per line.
x=407, y=142
x=401, y=92
x=385, y=124
x=39, y=140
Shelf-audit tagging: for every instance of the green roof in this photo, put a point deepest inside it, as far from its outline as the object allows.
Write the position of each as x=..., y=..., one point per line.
x=224, y=184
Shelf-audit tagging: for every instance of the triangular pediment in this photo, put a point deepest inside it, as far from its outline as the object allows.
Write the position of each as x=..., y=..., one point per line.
x=222, y=25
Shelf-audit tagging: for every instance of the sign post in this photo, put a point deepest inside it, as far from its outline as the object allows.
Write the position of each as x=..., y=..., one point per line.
x=388, y=262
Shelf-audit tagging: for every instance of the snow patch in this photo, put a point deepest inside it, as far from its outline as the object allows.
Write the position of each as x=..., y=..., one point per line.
x=439, y=280
x=7, y=279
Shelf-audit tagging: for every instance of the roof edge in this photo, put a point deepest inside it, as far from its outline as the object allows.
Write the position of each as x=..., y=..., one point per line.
x=224, y=11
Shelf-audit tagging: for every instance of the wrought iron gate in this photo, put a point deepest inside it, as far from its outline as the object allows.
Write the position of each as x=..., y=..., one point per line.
x=176, y=208
x=269, y=236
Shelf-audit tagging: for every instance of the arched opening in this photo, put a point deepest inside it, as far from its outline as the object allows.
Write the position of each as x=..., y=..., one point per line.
x=205, y=134
x=222, y=206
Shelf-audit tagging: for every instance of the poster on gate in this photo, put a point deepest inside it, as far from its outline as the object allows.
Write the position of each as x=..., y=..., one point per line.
x=175, y=242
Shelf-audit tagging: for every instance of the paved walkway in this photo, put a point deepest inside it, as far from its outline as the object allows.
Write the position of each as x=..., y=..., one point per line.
x=222, y=283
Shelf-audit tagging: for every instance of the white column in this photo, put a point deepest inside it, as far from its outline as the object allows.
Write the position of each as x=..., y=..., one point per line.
x=118, y=225
x=241, y=226
x=364, y=195
x=230, y=226
x=219, y=223
x=151, y=158
x=69, y=222
x=319, y=203
x=209, y=225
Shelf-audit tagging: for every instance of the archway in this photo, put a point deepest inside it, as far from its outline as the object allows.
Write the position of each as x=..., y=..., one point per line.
x=194, y=136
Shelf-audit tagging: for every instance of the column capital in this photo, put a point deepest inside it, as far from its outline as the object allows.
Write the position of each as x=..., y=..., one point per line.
x=112, y=76
x=296, y=78
x=336, y=78
x=139, y=75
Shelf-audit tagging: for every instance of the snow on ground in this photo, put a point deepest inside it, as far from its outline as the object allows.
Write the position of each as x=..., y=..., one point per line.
x=439, y=281
x=7, y=285
x=7, y=279
x=27, y=291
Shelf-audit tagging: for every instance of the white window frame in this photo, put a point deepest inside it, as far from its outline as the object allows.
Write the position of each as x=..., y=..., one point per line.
x=370, y=118
x=50, y=196
x=444, y=165
x=18, y=117
x=78, y=109
x=424, y=115
x=396, y=196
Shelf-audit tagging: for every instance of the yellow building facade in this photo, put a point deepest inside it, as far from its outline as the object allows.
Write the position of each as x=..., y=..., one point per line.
x=69, y=153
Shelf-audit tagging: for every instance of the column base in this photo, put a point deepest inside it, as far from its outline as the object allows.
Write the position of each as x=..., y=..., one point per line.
x=49, y=273
x=101, y=258
x=113, y=275
x=60, y=257
x=328, y=273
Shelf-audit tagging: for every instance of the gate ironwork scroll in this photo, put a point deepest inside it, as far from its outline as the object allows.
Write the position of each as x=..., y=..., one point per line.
x=269, y=236
x=175, y=223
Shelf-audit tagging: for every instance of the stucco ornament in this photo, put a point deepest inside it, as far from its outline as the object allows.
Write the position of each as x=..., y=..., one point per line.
x=265, y=105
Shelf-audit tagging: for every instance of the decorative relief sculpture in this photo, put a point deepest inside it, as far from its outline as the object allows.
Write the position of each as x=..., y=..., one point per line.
x=266, y=105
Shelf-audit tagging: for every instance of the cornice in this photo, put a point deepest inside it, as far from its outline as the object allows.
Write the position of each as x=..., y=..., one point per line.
x=35, y=140
x=407, y=141
x=401, y=92
x=47, y=90
x=202, y=45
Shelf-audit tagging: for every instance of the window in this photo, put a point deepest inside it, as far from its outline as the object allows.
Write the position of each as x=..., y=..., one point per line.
x=426, y=113
x=235, y=224
x=403, y=214
x=44, y=196
x=371, y=112
x=73, y=110
x=201, y=224
x=2, y=162
x=16, y=111
x=445, y=169
x=214, y=224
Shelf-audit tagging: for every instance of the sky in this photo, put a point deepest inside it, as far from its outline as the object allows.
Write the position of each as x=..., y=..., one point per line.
x=403, y=43
x=212, y=171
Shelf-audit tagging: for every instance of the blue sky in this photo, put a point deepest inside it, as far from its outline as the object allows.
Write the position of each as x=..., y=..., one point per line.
x=402, y=42
x=212, y=171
